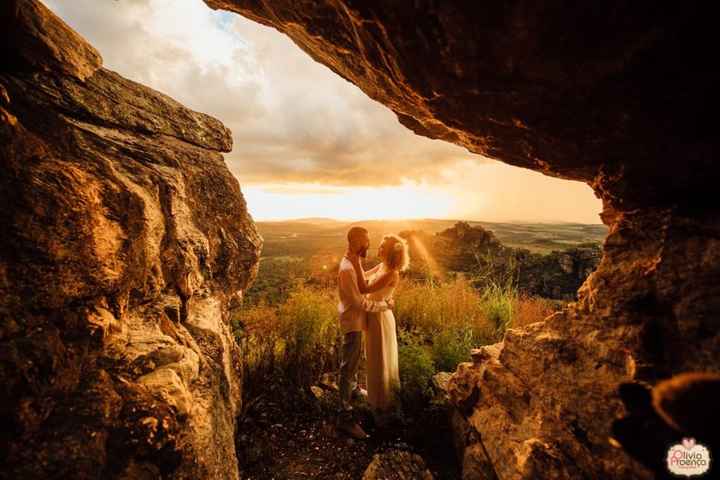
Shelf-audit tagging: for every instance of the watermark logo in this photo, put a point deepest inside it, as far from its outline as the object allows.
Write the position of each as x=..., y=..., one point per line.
x=688, y=458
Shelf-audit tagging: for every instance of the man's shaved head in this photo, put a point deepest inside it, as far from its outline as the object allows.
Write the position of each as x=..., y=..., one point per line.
x=356, y=233
x=358, y=240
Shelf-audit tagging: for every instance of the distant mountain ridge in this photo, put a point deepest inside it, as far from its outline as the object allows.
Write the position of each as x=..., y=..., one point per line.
x=477, y=251
x=315, y=234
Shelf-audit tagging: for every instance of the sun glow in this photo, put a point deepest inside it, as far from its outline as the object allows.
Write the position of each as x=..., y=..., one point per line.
x=432, y=264
x=406, y=201
x=307, y=142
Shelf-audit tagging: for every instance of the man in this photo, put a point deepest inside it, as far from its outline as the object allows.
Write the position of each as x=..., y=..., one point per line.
x=352, y=308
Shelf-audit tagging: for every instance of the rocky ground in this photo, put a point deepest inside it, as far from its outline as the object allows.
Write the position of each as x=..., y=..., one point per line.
x=290, y=434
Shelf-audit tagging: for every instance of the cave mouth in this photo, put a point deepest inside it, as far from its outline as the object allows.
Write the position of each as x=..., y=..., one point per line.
x=112, y=241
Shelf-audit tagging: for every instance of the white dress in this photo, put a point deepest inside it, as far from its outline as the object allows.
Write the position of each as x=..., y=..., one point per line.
x=381, y=351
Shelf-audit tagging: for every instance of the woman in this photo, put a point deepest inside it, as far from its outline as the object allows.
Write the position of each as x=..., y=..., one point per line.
x=381, y=350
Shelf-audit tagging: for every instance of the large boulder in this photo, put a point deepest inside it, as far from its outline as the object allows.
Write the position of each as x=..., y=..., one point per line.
x=396, y=464
x=125, y=241
x=620, y=95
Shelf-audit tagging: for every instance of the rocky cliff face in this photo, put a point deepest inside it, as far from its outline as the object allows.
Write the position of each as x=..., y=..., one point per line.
x=620, y=95
x=125, y=239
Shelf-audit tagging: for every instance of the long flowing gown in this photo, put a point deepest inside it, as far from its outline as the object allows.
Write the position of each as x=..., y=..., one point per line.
x=381, y=352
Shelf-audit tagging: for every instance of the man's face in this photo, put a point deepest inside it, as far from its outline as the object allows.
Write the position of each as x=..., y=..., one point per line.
x=363, y=246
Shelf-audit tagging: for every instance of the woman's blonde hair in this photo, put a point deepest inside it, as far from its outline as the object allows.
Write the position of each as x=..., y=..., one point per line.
x=397, y=254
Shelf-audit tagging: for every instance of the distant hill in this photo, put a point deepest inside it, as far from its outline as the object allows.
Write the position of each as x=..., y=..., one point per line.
x=308, y=236
x=311, y=220
x=476, y=251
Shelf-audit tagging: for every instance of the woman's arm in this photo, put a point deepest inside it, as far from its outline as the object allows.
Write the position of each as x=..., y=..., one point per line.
x=349, y=293
x=388, y=278
x=373, y=270
x=379, y=283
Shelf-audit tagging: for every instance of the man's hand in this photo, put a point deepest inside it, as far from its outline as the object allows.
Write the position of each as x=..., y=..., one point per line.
x=355, y=260
x=391, y=303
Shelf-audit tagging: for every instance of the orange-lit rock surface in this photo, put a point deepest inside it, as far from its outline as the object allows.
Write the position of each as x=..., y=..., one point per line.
x=124, y=240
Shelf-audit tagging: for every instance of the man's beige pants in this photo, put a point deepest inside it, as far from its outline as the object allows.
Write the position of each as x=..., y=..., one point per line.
x=349, y=363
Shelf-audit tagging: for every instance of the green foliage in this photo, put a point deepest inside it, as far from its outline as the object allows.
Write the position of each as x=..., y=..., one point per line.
x=430, y=307
x=497, y=279
x=309, y=329
x=450, y=316
x=416, y=371
x=296, y=339
x=498, y=303
x=276, y=278
x=451, y=347
x=439, y=323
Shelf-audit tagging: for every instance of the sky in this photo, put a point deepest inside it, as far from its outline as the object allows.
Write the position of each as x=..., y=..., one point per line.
x=308, y=143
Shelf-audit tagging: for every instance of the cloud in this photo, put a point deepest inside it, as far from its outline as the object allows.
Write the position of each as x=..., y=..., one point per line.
x=293, y=120
x=303, y=136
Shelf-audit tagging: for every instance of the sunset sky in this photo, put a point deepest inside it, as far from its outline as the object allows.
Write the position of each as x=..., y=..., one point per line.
x=307, y=142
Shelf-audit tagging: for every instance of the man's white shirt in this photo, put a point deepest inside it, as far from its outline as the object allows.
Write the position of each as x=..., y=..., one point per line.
x=353, y=305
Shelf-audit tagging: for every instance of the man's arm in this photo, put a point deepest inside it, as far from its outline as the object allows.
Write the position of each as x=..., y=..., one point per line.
x=348, y=284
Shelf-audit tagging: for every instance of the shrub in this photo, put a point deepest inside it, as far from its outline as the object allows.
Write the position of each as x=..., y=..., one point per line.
x=297, y=339
x=498, y=301
x=257, y=332
x=261, y=333
x=416, y=371
x=453, y=317
x=452, y=346
x=438, y=325
x=309, y=332
x=429, y=308
x=528, y=310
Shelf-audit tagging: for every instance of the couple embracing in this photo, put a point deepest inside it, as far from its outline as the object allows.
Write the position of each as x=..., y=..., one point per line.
x=365, y=308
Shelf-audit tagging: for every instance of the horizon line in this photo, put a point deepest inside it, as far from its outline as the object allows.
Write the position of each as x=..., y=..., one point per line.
x=351, y=220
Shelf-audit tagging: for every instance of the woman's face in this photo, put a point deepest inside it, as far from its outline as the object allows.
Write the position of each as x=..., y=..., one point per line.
x=382, y=249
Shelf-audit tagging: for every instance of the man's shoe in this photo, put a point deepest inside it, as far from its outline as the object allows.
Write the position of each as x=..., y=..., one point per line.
x=353, y=429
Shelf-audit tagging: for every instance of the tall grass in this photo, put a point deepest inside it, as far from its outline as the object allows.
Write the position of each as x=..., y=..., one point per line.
x=417, y=368
x=429, y=308
x=498, y=302
x=297, y=339
x=530, y=309
x=309, y=329
x=451, y=347
x=257, y=331
x=438, y=324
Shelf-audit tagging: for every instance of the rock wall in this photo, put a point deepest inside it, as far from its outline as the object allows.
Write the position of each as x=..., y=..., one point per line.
x=620, y=95
x=125, y=240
